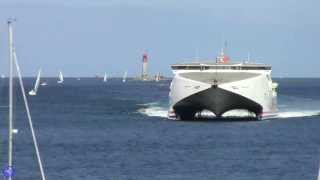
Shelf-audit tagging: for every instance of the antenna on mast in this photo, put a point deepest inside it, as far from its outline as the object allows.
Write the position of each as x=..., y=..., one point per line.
x=225, y=45
x=248, y=57
x=197, y=54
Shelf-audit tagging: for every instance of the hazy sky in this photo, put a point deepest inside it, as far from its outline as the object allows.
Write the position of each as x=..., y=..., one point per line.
x=87, y=37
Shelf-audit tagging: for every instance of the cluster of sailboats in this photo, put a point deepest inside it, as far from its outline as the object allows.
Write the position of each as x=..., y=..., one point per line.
x=9, y=170
x=38, y=82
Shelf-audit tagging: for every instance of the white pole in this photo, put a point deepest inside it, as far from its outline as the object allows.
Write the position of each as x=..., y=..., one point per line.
x=10, y=95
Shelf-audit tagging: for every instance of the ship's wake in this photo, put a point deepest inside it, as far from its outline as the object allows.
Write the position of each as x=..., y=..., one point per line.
x=156, y=109
x=290, y=114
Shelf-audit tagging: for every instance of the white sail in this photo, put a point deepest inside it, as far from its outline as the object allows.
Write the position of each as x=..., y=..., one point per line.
x=124, y=79
x=105, y=78
x=158, y=77
x=318, y=175
x=36, y=85
x=60, y=77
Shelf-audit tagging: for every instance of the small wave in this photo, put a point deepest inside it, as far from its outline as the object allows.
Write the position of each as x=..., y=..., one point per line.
x=155, y=104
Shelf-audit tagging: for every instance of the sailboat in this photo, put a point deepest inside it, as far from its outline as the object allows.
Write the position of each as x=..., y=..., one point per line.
x=8, y=171
x=158, y=78
x=60, y=81
x=124, y=79
x=105, y=78
x=33, y=91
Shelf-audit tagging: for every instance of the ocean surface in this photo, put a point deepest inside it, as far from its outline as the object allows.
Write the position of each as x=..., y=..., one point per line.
x=92, y=130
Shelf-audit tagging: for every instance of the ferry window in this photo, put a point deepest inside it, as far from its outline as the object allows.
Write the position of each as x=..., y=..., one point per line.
x=186, y=67
x=193, y=67
x=268, y=77
x=236, y=67
x=178, y=67
x=256, y=68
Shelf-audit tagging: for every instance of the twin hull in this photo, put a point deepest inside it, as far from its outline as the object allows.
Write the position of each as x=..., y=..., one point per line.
x=219, y=91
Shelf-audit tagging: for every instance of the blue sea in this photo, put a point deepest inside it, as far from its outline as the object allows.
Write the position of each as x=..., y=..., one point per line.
x=90, y=130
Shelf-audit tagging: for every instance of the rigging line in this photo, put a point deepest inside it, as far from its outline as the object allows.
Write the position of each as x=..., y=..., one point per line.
x=29, y=115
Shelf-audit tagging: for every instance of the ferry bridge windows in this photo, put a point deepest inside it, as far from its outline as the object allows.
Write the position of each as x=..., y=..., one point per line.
x=226, y=67
x=193, y=67
x=255, y=68
x=187, y=67
x=204, y=68
x=183, y=67
x=201, y=68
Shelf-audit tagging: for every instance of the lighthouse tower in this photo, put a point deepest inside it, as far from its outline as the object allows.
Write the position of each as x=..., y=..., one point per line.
x=223, y=58
x=144, y=75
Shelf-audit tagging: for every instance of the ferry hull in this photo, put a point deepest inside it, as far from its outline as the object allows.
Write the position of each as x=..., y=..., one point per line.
x=216, y=100
x=192, y=92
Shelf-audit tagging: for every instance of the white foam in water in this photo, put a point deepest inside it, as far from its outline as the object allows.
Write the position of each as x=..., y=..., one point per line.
x=289, y=114
x=238, y=113
x=155, y=110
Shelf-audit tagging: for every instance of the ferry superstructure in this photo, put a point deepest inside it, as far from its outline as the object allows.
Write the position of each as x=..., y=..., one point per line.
x=220, y=87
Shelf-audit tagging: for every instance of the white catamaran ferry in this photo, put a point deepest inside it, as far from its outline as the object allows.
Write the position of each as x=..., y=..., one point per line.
x=217, y=88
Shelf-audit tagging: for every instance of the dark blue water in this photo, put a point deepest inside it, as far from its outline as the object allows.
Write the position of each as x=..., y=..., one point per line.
x=91, y=130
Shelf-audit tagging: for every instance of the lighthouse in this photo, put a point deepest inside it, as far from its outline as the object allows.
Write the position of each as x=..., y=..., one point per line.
x=144, y=75
x=223, y=58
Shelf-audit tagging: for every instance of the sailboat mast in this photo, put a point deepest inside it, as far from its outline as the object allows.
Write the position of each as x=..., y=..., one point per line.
x=36, y=86
x=10, y=96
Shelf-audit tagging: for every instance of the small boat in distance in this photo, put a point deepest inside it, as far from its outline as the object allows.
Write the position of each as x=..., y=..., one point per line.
x=33, y=91
x=105, y=78
x=124, y=79
x=60, y=81
x=158, y=77
x=44, y=84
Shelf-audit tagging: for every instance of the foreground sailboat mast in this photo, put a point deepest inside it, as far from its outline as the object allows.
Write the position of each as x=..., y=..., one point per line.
x=9, y=171
x=10, y=97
